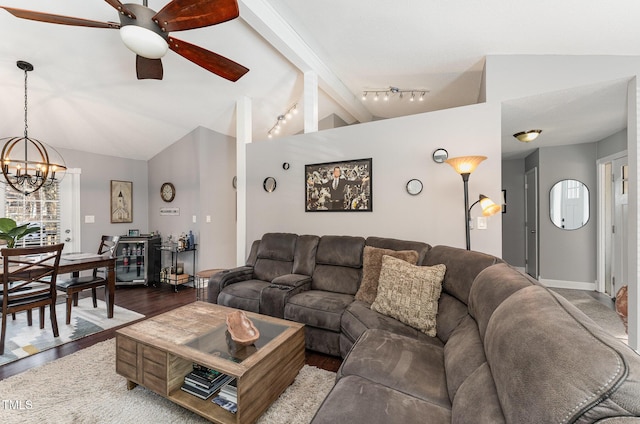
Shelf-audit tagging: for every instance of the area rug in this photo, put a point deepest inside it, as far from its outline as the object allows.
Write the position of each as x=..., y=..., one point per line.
x=84, y=388
x=605, y=317
x=23, y=340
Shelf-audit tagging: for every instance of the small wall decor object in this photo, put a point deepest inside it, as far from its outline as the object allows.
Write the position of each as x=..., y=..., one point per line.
x=167, y=192
x=269, y=184
x=440, y=155
x=339, y=186
x=285, y=166
x=121, y=202
x=241, y=329
x=414, y=187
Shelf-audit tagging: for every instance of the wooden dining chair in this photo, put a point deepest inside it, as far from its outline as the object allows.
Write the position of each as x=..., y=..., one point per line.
x=98, y=278
x=28, y=282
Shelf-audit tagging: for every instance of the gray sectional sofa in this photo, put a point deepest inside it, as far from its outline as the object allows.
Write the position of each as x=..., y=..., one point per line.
x=506, y=350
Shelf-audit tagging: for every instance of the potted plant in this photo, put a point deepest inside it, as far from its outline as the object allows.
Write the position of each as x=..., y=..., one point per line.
x=11, y=232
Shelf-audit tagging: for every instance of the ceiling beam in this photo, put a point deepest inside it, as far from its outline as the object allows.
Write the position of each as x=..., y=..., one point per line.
x=267, y=22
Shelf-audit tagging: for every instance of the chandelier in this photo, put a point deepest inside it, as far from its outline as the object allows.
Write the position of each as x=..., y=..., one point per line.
x=26, y=163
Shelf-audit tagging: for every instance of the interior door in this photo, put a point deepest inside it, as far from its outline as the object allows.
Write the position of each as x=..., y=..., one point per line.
x=70, y=211
x=531, y=222
x=620, y=228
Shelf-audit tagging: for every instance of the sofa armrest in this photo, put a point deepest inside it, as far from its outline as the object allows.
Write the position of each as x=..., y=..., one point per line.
x=290, y=281
x=220, y=280
x=274, y=297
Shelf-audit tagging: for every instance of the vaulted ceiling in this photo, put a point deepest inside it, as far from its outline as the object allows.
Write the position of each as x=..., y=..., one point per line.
x=84, y=95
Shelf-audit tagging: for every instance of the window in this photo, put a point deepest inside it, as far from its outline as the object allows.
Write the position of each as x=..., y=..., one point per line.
x=41, y=207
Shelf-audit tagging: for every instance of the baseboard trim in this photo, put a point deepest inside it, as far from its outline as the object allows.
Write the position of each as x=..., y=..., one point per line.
x=563, y=284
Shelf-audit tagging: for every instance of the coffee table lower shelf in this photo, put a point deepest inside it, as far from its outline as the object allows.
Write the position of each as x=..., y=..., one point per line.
x=161, y=367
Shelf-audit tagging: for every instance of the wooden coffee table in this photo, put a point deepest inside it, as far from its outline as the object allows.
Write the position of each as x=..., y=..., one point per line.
x=158, y=352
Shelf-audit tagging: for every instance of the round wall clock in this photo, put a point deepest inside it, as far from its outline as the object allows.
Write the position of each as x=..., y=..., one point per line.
x=167, y=192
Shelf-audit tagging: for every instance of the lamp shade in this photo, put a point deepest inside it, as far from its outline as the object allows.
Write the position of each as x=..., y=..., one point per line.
x=143, y=42
x=465, y=164
x=489, y=207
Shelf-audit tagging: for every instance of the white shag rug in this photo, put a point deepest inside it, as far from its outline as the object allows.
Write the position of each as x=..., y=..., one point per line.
x=84, y=388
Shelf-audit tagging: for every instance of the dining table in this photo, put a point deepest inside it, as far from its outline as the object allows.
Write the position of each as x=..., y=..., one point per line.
x=74, y=263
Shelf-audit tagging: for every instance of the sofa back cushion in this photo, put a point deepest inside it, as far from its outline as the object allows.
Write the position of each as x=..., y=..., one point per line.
x=462, y=267
x=275, y=256
x=304, y=260
x=395, y=244
x=338, y=264
x=490, y=288
x=545, y=353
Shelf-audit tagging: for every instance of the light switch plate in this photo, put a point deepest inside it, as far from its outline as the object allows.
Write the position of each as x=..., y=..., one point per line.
x=89, y=219
x=482, y=223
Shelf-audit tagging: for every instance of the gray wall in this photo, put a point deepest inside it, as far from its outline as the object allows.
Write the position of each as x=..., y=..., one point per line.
x=401, y=149
x=201, y=166
x=567, y=255
x=513, y=236
x=95, y=183
x=613, y=144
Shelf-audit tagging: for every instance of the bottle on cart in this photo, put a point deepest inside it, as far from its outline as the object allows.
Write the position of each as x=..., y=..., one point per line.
x=181, y=242
x=192, y=241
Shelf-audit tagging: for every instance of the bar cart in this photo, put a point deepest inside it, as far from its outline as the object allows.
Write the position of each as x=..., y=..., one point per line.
x=171, y=272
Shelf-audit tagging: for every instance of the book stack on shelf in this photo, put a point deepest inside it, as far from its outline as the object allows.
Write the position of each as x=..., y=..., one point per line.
x=228, y=396
x=204, y=382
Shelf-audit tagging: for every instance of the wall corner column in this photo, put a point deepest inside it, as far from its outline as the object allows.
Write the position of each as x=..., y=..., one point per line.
x=633, y=130
x=243, y=137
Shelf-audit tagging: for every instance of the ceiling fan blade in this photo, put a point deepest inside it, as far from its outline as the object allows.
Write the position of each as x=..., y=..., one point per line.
x=213, y=62
x=121, y=8
x=58, y=19
x=148, y=68
x=179, y=15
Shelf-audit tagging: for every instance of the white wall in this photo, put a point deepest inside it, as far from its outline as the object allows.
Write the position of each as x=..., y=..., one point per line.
x=95, y=183
x=401, y=149
x=201, y=166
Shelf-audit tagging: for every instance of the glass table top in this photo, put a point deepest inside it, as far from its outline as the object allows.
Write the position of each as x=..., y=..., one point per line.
x=218, y=341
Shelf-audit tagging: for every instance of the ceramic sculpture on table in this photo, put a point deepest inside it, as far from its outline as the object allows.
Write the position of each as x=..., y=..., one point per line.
x=241, y=328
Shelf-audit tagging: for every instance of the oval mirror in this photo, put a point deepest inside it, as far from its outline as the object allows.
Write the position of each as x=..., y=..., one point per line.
x=569, y=204
x=269, y=184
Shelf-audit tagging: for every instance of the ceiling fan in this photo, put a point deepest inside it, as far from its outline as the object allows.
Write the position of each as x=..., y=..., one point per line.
x=146, y=32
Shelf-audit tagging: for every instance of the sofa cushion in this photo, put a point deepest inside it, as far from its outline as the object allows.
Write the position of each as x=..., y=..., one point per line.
x=401, y=363
x=244, y=295
x=358, y=318
x=371, y=266
x=463, y=354
x=318, y=309
x=451, y=312
x=477, y=400
x=395, y=244
x=340, y=251
x=275, y=256
x=305, y=254
x=575, y=371
x=462, y=268
x=491, y=287
x=356, y=400
x=409, y=293
x=338, y=279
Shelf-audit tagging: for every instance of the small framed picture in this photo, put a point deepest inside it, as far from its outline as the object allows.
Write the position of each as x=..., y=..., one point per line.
x=121, y=201
x=134, y=233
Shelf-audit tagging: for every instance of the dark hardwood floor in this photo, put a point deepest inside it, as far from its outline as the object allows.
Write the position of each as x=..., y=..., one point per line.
x=149, y=301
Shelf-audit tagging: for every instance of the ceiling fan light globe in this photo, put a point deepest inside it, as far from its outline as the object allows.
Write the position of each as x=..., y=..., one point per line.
x=143, y=42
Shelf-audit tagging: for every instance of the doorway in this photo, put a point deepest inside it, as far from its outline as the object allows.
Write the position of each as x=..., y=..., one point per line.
x=531, y=222
x=613, y=184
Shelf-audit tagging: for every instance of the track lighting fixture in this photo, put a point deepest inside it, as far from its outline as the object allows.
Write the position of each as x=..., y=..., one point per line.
x=392, y=91
x=282, y=119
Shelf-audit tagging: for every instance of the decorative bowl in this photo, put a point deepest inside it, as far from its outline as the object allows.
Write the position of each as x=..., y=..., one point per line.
x=241, y=329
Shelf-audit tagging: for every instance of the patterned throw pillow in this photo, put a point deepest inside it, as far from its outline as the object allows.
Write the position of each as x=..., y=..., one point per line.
x=371, y=265
x=410, y=293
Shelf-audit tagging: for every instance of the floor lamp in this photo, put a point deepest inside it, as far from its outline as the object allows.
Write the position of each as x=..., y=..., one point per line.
x=465, y=165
